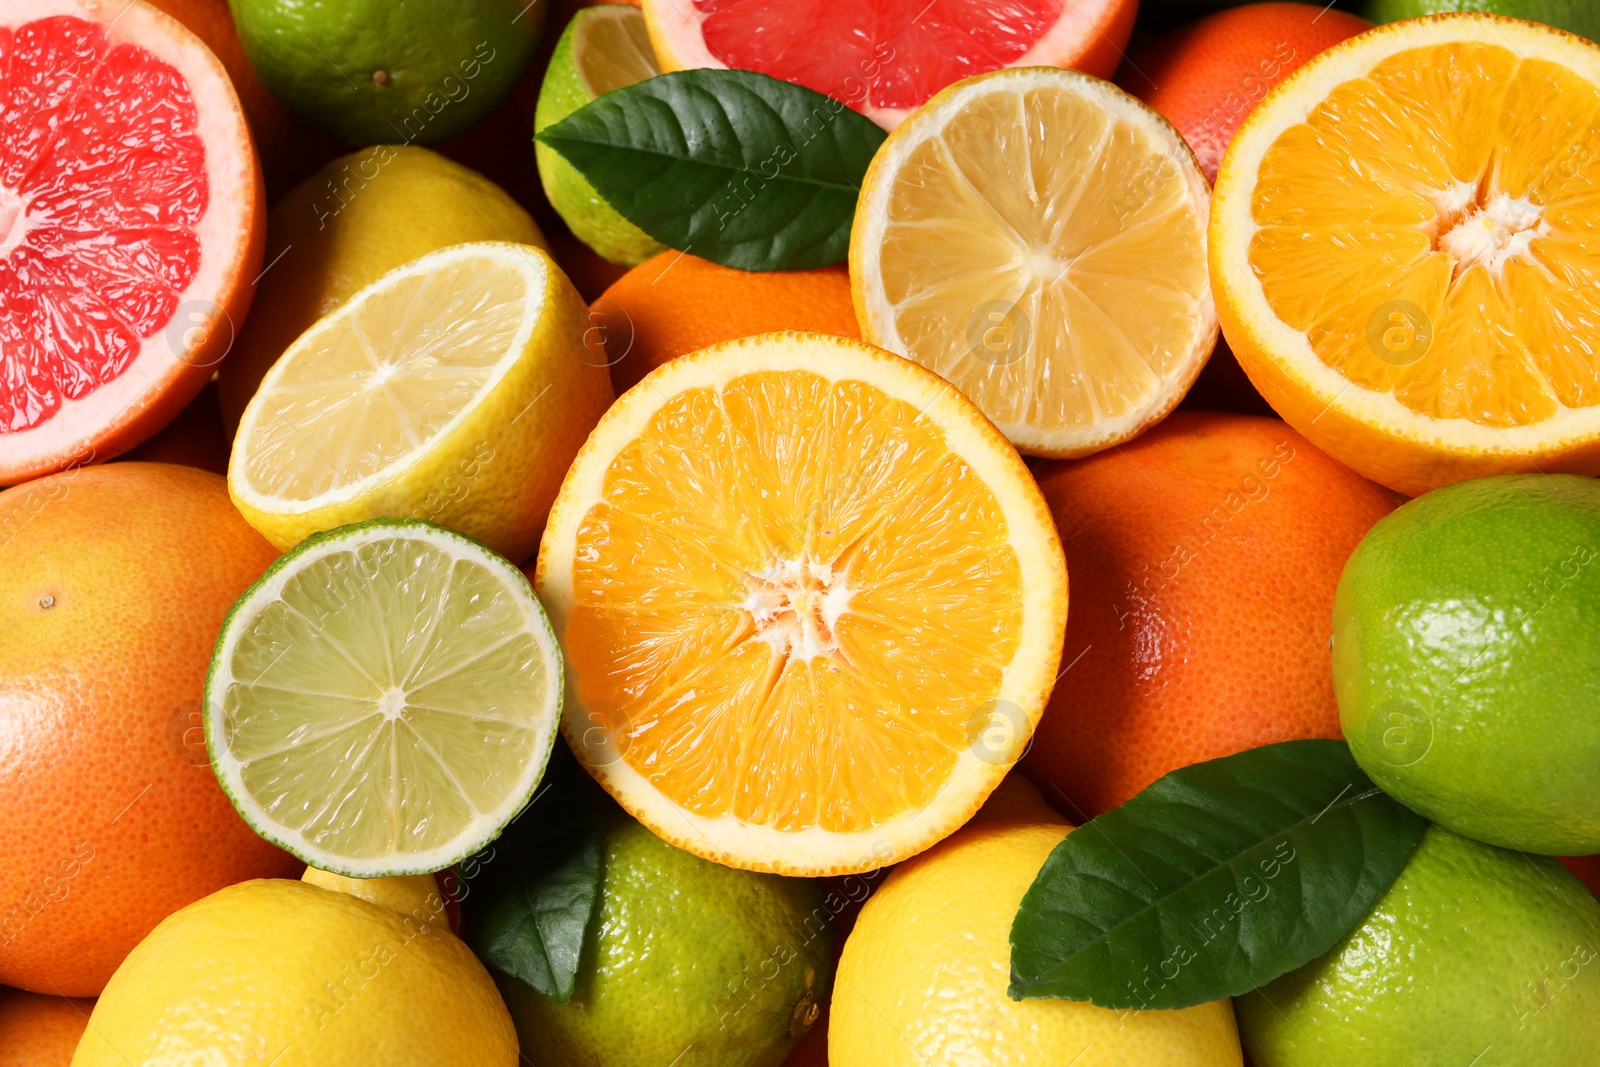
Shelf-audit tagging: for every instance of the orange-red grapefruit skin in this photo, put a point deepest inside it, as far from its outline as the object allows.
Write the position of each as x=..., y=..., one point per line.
x=114, y=581
x=1204, y=556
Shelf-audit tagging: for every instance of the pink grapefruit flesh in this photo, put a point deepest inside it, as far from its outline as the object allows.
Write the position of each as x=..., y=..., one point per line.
x=129, y=227
x=886, y=57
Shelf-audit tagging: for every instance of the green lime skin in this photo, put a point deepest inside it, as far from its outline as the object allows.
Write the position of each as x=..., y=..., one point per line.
x=688, y=963
x=1475, y=957
x=1466, y=659
x=1581, y=17
x=587, y=214
x=381, y=72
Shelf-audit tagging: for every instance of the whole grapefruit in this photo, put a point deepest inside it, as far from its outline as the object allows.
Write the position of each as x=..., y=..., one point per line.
x=1204, y=557
x=1207, y=76
x=113, y=584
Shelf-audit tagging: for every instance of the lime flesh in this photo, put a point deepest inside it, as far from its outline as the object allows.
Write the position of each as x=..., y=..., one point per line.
x=383, y=701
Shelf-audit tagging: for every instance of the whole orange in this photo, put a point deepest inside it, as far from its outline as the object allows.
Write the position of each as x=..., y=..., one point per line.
x=40, y=1031
x=1204, y=557
x=674, y=303
x=1206, y=77
x=114, y=581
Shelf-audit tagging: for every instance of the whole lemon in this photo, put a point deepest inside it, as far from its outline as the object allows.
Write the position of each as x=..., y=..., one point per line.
x=1476, y=955
x=291, y=974
x=923, y=977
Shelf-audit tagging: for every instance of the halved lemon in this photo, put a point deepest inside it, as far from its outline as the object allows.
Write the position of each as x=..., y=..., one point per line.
x=455, y=389
x=1037, y=236
x=811, y=601
x=383, y=700
x=1403, y=249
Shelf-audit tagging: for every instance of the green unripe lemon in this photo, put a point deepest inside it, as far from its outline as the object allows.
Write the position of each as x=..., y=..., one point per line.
x=603, y=48
x=1466, y=659
x=689, y=963
x=381, y=72
x=1575, y=16
x=1475, y=957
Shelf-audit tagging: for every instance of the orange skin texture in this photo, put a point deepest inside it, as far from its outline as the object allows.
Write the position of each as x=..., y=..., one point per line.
x=1206, y=77
x=40, y=1031
x=673, y=304
x=1204, y=557
x=112, y=819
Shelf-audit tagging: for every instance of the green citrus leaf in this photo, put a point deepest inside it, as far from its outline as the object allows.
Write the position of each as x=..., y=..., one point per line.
x=1214, y=880
x=734, y=166
x=538, y=886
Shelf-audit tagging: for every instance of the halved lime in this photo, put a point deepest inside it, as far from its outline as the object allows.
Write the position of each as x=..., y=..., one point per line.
x=604, y=47
x=383, y=700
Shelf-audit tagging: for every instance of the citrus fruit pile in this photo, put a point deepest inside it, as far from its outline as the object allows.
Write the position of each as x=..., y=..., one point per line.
x=740, y=533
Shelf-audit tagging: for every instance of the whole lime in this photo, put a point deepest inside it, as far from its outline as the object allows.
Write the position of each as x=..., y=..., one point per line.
x=380, y=72
x=603, y=48
x=688, y=963
x=1475, y=956
x=1465, y=661
x=1575, y=16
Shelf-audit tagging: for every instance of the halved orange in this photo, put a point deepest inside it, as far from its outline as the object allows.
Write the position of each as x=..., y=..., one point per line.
x=1403, y=250
x=811, y=600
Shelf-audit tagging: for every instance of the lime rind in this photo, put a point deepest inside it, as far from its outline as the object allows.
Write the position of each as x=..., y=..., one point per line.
x=590, y=218
x=512, y=785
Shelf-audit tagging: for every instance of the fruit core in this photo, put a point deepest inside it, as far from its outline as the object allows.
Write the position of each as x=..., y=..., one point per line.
x=795, y=605
x=1478, y=226
x=102, y=184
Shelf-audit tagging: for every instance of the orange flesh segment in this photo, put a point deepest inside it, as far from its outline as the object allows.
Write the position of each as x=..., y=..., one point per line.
x=1430, y=228
x=790, y=601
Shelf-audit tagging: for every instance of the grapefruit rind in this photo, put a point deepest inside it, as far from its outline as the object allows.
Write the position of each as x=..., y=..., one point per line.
x=816, y=851
x=268, y=590
x=160, y=381
x=1372, y=431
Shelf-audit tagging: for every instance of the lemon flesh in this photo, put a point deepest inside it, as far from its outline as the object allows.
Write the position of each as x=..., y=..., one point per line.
x=1037, y=237
x=453, y=389
x=383, y=701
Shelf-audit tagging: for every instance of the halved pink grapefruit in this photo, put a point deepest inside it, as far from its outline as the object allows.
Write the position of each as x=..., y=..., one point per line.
x=885, y=58
x=130, y=227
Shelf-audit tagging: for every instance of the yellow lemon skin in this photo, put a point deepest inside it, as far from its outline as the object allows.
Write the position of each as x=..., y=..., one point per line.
x=346, y=226
x=287, y=973
x=416, y=895
x=922, y=982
